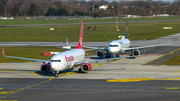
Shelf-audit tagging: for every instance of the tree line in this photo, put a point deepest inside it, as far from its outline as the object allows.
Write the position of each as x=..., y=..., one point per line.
x=87, y=8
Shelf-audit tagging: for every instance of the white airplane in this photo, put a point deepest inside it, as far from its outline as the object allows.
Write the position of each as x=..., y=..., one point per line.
x=71, y=59
x=121, y=46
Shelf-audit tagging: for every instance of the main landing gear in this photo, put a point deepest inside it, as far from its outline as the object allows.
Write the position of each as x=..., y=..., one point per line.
x=108, y=56
x=80, y=71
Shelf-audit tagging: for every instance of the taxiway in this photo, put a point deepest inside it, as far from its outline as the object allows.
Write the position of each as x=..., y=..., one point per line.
x=120, y=80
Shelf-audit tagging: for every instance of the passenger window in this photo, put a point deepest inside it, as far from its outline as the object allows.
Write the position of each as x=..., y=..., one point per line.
x=55, y=60
x=52, y=60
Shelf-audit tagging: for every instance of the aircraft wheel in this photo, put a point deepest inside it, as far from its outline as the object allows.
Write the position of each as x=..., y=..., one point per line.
x=107, y=56
x=131, y=57
x=56, y=75
x=80, y=70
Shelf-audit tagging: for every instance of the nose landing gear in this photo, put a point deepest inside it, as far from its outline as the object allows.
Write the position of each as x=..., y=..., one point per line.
x=56, y=73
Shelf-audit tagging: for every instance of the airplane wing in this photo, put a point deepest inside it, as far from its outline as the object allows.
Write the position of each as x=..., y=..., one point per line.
x=64, y=47
x=147, y=46
x=78, y=63
x=105, y=48
x=91, y=48
x=23, y=58
x=94, y=48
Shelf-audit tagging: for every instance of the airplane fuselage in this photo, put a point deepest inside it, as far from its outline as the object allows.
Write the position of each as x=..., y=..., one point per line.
x=118, y=46
x=66, y=59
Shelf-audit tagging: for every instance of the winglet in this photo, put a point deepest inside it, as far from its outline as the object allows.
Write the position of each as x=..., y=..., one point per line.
x=126, y=30
x=80, y=44
x=3, y=51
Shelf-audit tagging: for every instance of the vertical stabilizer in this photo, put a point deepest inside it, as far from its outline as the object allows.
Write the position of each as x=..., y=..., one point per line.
x=80, y=44
x=126, y=30
x=3, y=50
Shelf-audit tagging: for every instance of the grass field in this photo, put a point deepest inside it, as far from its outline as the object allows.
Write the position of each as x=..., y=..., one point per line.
x=173, y=61
x=105, y=32
x=23, y=22
x=29, y=52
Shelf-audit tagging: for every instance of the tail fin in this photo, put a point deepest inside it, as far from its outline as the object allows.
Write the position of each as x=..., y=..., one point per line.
x=126, y=30
x=80, y=44
x=3, y=51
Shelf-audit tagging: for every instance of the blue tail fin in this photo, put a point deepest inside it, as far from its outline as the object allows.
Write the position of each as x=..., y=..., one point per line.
x=126, y=27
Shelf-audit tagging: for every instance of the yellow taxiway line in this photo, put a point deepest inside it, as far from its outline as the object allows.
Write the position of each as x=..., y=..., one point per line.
x=141, y=79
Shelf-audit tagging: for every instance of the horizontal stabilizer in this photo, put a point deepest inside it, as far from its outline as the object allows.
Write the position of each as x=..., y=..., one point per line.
x=66, y=47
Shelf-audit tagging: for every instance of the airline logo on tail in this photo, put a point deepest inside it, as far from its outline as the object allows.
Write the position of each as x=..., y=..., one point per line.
x=80, y=44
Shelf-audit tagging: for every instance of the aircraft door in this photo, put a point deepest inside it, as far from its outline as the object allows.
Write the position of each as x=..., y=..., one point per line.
x=64, y=61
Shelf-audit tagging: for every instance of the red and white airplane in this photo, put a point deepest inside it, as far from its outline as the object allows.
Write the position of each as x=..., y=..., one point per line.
x=71, y=59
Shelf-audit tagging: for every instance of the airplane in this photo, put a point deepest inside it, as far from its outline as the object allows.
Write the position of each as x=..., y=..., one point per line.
x=72, y=58
x=122, y=46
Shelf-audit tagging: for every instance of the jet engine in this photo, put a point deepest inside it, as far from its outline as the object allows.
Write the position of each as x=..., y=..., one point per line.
x=136, y=52
x=86, y=67
x=99, y=53
x=45, y=67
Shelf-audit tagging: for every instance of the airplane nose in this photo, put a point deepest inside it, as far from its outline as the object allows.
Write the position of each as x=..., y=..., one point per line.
x=54, y=66
x=113, y=50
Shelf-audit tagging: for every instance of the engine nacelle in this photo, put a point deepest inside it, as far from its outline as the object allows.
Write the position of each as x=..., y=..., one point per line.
x=136, y=52
x=99, y=53
x=45, y=67
x=86, y=67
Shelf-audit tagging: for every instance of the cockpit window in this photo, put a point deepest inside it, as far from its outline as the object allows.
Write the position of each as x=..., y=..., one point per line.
x=55, y=60
x=113, y=45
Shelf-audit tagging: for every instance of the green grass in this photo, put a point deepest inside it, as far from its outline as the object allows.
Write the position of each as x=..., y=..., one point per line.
x=105, y=32
x=29, y=52
x=173, y=61
x=23, y=22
